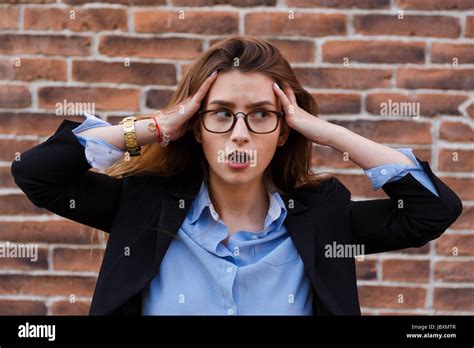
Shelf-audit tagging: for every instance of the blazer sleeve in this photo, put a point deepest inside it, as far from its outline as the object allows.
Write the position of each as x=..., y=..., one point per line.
x=55, y=175
x=411, y=217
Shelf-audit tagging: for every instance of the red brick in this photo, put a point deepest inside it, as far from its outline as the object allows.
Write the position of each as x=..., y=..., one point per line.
x=134, y=72
x=10, y=148
x=237, y=3
x=423, y=250
x=456, y=160
x=435, y=4
x=456, y=131
x=296, y=51
x=124, y=2
x=304, y=24
x=366, y=270
x=338, y=103
x=452, y=53
x=84, y=260
x=45, y=44
x=167, y=48
x=30, y=1
x=59, y=231
x=209, y=23
x=364, y=4
x=9, y=17
x=430, y=104
x=466, y=220
x=454, y=271
x=30, y=69
x=455, y=245
x=410, y=25
x=68, y=308
x=6, y=179
x=46, y=285
x=464, y=187
x=18, y=204
x=469, y=32
x=470, y=111
x=14, y=97
x=396, y=132
x=28, y=123
x=22, y=307
x=416, y=271
x=373, y=52
x=389, y=297
x=92, y=19
x=104, y=98
x=453, y=299
x=359, y=185
x=157, y=99
x=435, y=78
x=344, y=77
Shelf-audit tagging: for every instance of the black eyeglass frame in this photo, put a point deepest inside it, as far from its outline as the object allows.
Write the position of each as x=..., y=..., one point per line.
x=279, y=114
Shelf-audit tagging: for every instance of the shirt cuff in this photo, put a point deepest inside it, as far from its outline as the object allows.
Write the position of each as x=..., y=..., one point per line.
x=90, y=122
x=99, y=153
x=380, y=175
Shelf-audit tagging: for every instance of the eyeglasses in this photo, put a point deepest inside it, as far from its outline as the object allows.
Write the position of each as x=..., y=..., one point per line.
x=222, y=120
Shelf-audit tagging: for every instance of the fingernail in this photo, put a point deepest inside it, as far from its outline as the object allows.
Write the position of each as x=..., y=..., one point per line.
x=276, y=85
x=215, y=72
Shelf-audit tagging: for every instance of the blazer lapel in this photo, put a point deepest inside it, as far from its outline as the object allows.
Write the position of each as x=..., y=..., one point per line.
x=299, y=225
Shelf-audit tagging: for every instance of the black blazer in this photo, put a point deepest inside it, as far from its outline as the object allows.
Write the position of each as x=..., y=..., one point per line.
x=143, y=213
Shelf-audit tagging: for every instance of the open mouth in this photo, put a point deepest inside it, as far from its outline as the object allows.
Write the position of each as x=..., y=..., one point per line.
x=239, y=157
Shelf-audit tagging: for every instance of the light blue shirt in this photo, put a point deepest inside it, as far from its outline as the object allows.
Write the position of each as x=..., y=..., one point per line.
x=256, y=273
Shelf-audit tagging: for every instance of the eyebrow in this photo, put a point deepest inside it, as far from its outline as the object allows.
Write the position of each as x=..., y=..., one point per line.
x=231, y=104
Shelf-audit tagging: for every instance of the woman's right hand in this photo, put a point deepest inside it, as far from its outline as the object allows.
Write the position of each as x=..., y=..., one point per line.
x=174, y=122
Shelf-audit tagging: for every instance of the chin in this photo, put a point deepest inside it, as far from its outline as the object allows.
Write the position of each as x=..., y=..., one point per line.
x=238, y=177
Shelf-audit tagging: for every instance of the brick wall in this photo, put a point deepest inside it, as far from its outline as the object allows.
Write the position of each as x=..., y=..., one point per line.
x=353, y=55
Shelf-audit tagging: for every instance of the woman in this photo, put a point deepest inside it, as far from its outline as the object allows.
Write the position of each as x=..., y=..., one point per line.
x=228, y=218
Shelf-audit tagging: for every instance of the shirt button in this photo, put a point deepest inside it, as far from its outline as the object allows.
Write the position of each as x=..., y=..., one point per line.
x=230, y=311
x=383, y=172
x=229, y=269
x=254, y=237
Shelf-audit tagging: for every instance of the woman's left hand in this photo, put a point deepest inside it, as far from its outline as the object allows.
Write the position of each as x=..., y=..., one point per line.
x=311, y=126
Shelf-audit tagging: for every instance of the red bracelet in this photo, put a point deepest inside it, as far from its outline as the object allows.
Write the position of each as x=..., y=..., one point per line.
x=158, y=130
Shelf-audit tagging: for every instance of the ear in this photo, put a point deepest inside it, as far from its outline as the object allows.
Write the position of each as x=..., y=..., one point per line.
x=196, y=127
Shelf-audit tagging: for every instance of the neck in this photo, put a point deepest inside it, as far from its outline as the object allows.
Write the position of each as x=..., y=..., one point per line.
x=240, y=206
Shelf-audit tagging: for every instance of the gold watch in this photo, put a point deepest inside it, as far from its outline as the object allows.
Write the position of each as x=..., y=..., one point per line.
x=130, y=135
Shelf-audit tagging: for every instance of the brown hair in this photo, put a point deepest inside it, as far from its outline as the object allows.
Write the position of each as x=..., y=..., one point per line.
x=291, y=165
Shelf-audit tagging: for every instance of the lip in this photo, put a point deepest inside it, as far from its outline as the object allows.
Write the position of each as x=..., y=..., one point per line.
x=234, y=165
x=238, y=165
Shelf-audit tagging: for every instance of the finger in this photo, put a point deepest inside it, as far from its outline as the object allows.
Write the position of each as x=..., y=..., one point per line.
x=283, y=97
x=202, y=91
x=290, y=93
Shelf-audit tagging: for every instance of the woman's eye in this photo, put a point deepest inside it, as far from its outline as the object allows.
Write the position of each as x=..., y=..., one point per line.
x=223, y=113
x=260, y=113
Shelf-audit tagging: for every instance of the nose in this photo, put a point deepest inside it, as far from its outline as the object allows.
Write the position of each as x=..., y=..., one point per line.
x=240, y=133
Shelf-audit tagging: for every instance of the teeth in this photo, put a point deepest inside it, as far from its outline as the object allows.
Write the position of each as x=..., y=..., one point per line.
x=239, y=157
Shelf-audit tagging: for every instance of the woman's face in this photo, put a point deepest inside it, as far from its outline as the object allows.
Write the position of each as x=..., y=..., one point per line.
x=235, y=91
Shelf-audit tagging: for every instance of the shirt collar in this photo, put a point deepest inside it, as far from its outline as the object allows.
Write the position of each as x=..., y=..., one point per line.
x=276, y=209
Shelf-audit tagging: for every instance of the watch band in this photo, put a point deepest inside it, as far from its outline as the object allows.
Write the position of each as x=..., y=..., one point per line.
x=130, y=136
